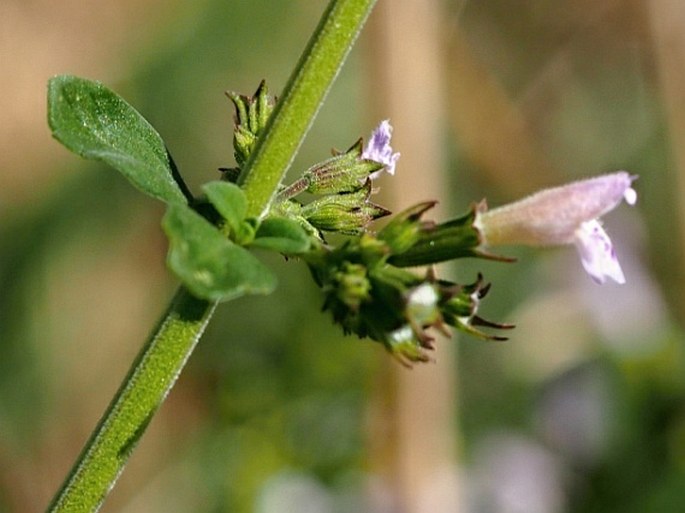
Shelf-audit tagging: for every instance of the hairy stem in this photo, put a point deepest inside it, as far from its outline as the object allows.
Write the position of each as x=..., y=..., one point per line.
x=150, y=378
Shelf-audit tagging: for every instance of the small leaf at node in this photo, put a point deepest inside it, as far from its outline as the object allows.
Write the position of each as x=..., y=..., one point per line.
x=210, y=265
x=229, y=200
x=283, y=235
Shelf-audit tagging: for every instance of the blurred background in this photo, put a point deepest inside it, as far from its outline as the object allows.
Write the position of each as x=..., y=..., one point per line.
x=582, y=410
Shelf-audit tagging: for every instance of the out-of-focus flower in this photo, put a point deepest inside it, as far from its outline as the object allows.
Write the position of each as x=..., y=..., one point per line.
x=564, y=215
x=379, y=150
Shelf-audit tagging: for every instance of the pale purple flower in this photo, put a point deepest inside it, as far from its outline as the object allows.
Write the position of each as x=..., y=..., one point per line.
x=378, y=149
x=597, y=253
x=565, y=215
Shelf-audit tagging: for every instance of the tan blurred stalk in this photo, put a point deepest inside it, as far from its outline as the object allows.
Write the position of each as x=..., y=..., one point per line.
x=490, y=128
x=413, y=414
x=89, y=285
x=41, y=38
x=667, y=18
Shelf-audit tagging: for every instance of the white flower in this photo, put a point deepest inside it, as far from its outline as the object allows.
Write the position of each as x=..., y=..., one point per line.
x=422, y=305
x=564, y=215
x=378, y=149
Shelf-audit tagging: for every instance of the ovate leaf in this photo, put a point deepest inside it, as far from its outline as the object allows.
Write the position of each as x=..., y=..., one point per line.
x=210, y=265
x=282, y=235
x=96, y=123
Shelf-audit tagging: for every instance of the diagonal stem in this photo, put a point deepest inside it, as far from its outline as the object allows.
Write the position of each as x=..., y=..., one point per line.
x=149, y=380
x=164, y=355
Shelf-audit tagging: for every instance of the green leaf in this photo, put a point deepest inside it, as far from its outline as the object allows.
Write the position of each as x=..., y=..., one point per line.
x=229, y=200
x=282, y=235
x=210, y=265
x=96, y=123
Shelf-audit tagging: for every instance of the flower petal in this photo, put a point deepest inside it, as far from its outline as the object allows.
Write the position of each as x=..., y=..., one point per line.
x=630, y=195
x=422, y=305
x=597, y=253
x=378, y=149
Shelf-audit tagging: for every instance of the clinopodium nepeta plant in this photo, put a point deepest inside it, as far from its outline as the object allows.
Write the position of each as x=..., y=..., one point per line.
x=377, y=283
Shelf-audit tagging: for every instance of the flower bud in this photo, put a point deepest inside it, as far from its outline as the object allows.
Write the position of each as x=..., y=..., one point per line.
x=403, y=345
x=252, y=114
x=345, y=172
x=343, y=213
x=435, y=243
x=353, y=285
x=405, y=228
x=460, y=308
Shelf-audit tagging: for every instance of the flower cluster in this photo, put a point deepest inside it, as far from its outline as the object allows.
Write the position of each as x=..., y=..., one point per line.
x=372, y=298
x=366, y=288
x=343, y=186
x=365, y=280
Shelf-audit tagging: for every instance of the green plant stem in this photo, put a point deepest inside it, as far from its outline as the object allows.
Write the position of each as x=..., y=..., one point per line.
x=159, y=363
x=300, y=101
x=149, y=380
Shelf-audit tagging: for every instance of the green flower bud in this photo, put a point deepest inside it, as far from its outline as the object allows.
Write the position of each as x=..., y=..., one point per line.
x=252, y=114
x=344, y=213
x=353, y=285
x=459, y=308
x=243, y=143
x=436, y=243
x=403, y=344
x=344, y=172
x=405, y=229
